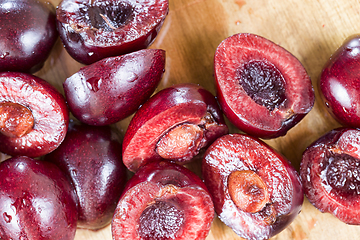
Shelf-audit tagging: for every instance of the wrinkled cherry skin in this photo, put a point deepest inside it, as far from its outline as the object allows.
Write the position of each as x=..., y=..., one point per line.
x=329, y=172
x=171, y=107
x=28, y=33
x=113, y=88
x=169, y=184
x=91, y=157
x=87, y=43
x=49, y=110
x=241, y=153
x=36, y=201
x=339, y=83
x=244, y=52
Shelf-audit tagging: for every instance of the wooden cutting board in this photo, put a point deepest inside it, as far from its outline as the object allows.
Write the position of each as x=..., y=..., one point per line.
x=310, y=29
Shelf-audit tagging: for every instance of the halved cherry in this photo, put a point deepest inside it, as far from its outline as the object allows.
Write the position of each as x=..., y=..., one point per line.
x=92, y=30
x=33, y=115
x=255, y=190
x=174, y=124
x=163, y=200
x=330, y=172
x=262, y=88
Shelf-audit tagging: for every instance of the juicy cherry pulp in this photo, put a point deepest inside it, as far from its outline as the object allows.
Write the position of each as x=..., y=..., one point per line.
x=34, y=115
x=342, y=173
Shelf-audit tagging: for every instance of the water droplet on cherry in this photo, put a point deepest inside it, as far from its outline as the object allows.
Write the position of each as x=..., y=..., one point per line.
x=7, y=217
x=94, y=83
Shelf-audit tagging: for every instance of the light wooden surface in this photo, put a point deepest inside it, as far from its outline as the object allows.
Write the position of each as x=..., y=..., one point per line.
x=310, y=29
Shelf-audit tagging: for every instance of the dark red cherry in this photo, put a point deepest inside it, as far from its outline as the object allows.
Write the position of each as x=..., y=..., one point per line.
x=330, y=172
x=91, y=157
x=255, y=190
x=36, y=201
x=113, y=88
x=163, y=200
x=28, y=33
x=262, y=88
x=339, y=83
x=175, y=124
x=92, y=30
x=33, y=115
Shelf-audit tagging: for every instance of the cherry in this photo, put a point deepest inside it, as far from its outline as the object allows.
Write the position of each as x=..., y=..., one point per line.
x=113, y=88
x=329, y=172
x=175, y=124
x=339, y=83
x=33, y=115
x=28, y=33
x=36, y=201
x=163, y=200
x=92, y=30
x=262, y=88
x=255, y=190
x=91, y=157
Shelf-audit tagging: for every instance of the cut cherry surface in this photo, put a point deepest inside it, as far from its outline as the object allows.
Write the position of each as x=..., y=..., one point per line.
x=28, y=33
x=330, y=170
x=255, y=190
x=174, y=124
x=113, y=88
x=92, y=30
x=91, y=157
x=339, y=83
x=163, y=200
x=36, y=201
x=33, y=115
x=262, y=88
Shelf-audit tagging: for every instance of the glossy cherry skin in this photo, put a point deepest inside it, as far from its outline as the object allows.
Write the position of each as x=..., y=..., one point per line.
x=98, y=29
x=339, y=83
x=113, y=88
x=46, y=106
x=28, y=33
x=37, y=201
x=234, y=157
x=163, y=200
x=329, y=172
x=261, y=87
x=91, y=157
x=162, y=117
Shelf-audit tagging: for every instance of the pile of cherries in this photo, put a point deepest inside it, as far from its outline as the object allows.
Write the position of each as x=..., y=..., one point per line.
x=65, y=174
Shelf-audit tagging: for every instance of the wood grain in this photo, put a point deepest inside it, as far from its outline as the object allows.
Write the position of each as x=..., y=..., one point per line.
x=310, y=29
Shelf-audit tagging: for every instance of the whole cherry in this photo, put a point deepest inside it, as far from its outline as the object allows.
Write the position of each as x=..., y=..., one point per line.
x=28, y=33
x=37, y=201
x=339, y=83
